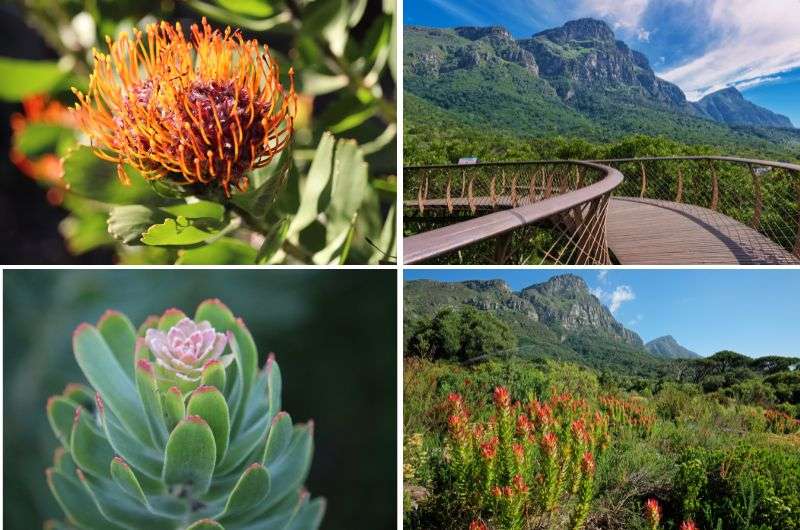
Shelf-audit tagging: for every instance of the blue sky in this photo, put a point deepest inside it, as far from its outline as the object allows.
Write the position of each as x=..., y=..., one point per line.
x=755, y=312
x=701, y=45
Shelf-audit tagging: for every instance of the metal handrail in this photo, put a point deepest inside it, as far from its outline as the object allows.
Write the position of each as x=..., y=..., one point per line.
x=433, y=243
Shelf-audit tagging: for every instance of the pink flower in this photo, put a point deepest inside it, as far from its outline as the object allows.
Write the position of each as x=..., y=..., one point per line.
x=186, y=347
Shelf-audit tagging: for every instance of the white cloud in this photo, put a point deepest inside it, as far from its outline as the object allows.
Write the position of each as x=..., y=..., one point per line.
x=614, y=299
x=635, y=321
x=602, y=275
x=455, y=8
x=759, y=40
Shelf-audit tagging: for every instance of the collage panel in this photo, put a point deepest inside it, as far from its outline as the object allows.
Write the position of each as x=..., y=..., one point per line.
x=600, y=398
x=202, y=399
x=580, y=132
x=198, y=132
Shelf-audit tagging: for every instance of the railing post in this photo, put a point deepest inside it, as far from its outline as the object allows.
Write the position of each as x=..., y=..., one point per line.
x=501, y=246
x=756, y=222
x=470, y=196
x=532, y=187
x=796, y=250
x=492, y=196
x=422, y=195
x=714, y=186
x=463, y=182
x=578, y=177
x=514, y=191
x=548, y=187
x=679, y=194
x=448, y=200
x=644, y=181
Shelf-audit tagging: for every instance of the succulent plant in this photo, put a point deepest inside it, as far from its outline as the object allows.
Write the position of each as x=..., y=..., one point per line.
x=179, y=430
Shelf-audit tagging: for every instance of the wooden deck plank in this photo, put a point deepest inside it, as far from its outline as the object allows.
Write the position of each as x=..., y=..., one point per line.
x=653, y=232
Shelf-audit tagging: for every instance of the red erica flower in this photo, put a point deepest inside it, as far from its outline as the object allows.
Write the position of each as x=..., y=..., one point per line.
x=523, y=424
x=489, y=449
x=496, y=491
x=501, y=397
x=652, y=512
x=455, y=399
x=478, y=525
x=519, y=452
x=688, y=525
x=519, y=484
x=549, y=442
x=587, y=463
x=202, y=110
x=507, y=491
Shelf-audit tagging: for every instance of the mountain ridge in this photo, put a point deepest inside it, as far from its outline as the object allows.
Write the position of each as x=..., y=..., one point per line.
x=668, y=348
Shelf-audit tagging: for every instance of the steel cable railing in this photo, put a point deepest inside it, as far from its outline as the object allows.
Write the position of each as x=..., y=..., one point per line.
x=531, y=212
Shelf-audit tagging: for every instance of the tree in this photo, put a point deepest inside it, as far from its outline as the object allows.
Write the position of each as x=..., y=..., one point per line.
x=463, y=334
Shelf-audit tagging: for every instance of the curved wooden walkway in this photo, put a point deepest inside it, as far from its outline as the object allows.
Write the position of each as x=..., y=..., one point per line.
x=655, y=232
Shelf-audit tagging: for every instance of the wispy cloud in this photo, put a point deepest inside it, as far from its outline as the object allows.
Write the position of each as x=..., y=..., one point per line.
x=602, y=275
x=614, y=298
x=456, y=9
x=635, y=321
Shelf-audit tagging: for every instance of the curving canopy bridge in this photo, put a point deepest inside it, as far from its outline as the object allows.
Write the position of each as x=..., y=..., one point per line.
x=632, y=211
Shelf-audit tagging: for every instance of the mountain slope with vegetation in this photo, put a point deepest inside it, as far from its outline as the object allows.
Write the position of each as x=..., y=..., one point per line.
x=668, y=348
x=575, y=81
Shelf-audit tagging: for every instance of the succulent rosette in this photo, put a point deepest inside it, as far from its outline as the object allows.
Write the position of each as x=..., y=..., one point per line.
x=178, y=430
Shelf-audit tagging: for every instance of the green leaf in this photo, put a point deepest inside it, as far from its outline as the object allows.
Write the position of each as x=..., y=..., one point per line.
x=208, y=403
x=386, y=245
x=274, y=385
x=119, y=508
x=174, y=409
x=251, y=489
x=105, y=374
x=206, y=524
x=288, y=471
x=197, y=210
x=316, y=84
x=89, y=448
x=190, y=455
x=265, y=185
x=140, y=456
x=328, y=18
x=170, y=318
x=127, y=223
x=216, y=13
x=244, y=350
x=178, y=232
x=40, y=138
x=273, y=240
x=214, y=375
x=224, y=251
x=147, y=386
x=76, y=502
x=60, y=414
x=80, y=394
x=253, y=8
x=84, y=231
x=280, y=436
x=123, y=475
x=118, y=332
x=317, y=180
x=309, y=517
x=22, y=78
x=88, y=176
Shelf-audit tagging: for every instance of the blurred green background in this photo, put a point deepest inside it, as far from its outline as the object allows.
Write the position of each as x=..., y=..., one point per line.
x=333, y=332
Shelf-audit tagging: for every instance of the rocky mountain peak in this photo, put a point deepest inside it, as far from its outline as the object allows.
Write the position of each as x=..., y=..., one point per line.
x=729, y=106
x=580, y=30
x=473, y=33
x=488, y=285
x=566, y=285
x=668, y=348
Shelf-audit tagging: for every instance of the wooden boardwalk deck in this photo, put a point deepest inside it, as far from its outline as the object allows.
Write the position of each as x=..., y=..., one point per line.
x=653, y=232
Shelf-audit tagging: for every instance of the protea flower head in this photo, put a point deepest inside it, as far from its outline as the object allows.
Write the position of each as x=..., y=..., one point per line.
x=199, y=111
x=185, y=349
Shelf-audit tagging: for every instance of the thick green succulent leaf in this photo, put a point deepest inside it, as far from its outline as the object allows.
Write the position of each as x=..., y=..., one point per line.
x=76, y=502
x=246, y=355
x=214, y=375
x=120, y=335
x=60, y=414
x=280, y=436
x=309, y=516
x=267, y=517
x=289, y=470
x=80, y=394
x=104, y=372
x=174, y=408
x=209, y=403
x=243, y=445
x=251, y=489
x=115, y=506
x=150, y=322
x=190, y=455
x=142, y=457
x=88, y=447
x=147, y=386
x=126, y=479
x=170, y=318
x=206, y=524
x=274, y=384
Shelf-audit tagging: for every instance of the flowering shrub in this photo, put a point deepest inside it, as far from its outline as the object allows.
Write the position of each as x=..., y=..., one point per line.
x=529, y=460
x=195, y=145
x=780, y=422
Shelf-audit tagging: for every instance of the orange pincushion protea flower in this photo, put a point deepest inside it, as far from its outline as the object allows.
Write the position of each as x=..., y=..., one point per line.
x=204, y=110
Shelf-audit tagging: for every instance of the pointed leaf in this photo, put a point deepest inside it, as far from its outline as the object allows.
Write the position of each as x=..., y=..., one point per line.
x=274, y=384
x=251, y=489
x=88, y=447
x=128, y=222
x=209, y=403
x=309, y=517
x=76, y=502
x=125, y=478
x=140, y=456
x=190, y=455
x=214, y=375
x=148, y=392
x=120, y=335
x=101, y=368
x=289, y=470
x=280, y=436
x=174, y=409
x=60, y=414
